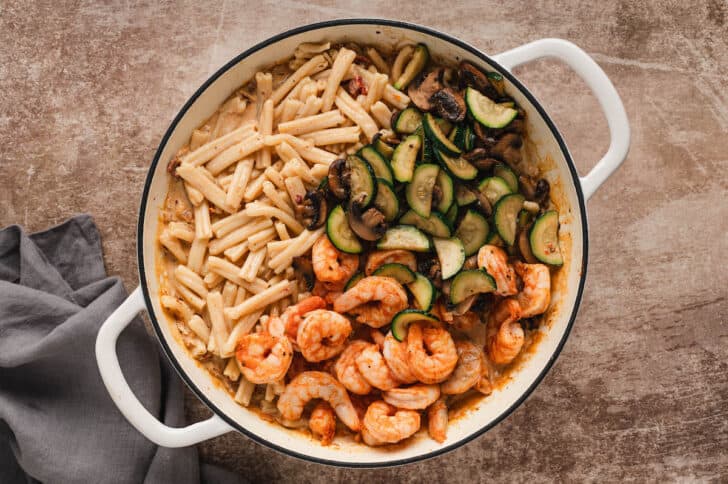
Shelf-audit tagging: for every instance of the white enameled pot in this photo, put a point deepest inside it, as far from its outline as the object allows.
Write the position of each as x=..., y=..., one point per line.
x=570, y=193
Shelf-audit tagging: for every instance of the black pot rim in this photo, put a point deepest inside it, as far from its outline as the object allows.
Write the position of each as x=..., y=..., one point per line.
x=315, y=26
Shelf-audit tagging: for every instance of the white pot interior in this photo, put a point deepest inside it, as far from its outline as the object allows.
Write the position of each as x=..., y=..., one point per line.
x=487, y=411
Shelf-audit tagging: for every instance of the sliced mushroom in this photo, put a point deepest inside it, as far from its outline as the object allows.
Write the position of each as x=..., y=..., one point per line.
x=480, y=158
x=470, y=75
x=430, y=268
x=303, y=268
x=524, y=246
x=313, y=209
x=449, y=104
x=464, y=307
x=508, y=148
x=484, y=138
x=421, y=92
x=542, y=191
x=471, y=262
x=339, y=178
x=483, y=204
x=368, y=224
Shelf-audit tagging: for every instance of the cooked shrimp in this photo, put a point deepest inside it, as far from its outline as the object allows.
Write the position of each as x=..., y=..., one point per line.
x=293, y=315
x=348, y=373
x=369, y=439
x=468, y=370
x=323, y=422
x=416, y=397
x=395, y=354
x=322, y=335
x=330, y=264
x=535, y=297
x=437, y=421
x=373, y=300
x=495, y=261
x=317, y=384
x=431, y=352
x=329, y=291
x=377, y=337
x=504, y=333
x=380, y=257
x=264, y=358
x=388, y=424
x=374, y=369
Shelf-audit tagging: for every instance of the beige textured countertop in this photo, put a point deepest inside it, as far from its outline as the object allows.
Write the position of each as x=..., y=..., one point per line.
x=641, y=388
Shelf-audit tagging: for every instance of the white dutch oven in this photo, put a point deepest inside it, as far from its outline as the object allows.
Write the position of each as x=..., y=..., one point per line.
x=570, y=192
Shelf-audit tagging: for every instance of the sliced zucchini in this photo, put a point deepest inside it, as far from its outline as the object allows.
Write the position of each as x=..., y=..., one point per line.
x=496, y=80
x=457, y=136
x=469, y=138
x=445, y=126
x=435, y=132
x=504, y=171
x=363, y=183
x=451, y=254
x=339, y=232
x=386, y=201
x=446, y=188
x=404, y=157
x=428, y=150
x=505, y=216
x=457, y=166
x=400, y=272
x=467, y=283
x=377, y=162
x=404, y=318
x=414, y=66
x=544, y=239
x=464, y=195
x=405, y=237
x=354, y=279
x=407, y=121
x=487, y=112
x=436, y=224
x=384, y=148
x=452, y=214
x=524, y=217
x=419, y=190
x=423, y=290
x=494, y=188
x=473, y=232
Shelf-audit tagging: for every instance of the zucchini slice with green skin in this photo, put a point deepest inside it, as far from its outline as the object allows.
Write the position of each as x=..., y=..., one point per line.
x=445, y=126
x=447, y=191
x=473, y=232
x=504, y=171
x=469, y=138
x=469, y=282
x=400, y=272
x=386, y=200
x=407, y=121
x=505, y=216
x=354, y=279
x=487, y=112
x=423, y=291
x=418, y=62
x=464, y=195
x=494, y=188
x=435, y=132
x=382, y=147
x=339, y=232
x=404, y=158
x=451, y=255
x=457, y=166
x=419, y=190
x=428, y=150
x=405, y=237
x=436, y=224
x=404, y=318
x=457, y=136
x=544, y=239
x=363, y=183
x=377, y=162
x=452, y=214
x=496, y=80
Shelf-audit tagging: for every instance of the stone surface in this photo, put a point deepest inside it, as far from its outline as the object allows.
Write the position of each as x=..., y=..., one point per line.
x=641, y=389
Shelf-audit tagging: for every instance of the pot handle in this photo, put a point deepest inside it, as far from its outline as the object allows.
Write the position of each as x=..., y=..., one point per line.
x=124, y=398
x=602, y=88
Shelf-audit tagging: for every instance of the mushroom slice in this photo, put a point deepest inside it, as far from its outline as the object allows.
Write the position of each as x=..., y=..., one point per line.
x=303, y=268
x=369, y=224
x=421, y=92
x=339, y=178
x=508, y=148
x=313, y=209
x=449, y=104
x=480, y=158
x=472, y=76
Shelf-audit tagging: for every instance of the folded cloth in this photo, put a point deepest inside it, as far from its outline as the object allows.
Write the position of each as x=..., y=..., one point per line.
x=57, y=421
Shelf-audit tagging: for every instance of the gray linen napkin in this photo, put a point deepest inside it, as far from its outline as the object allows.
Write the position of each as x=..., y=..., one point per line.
x=57, y=422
